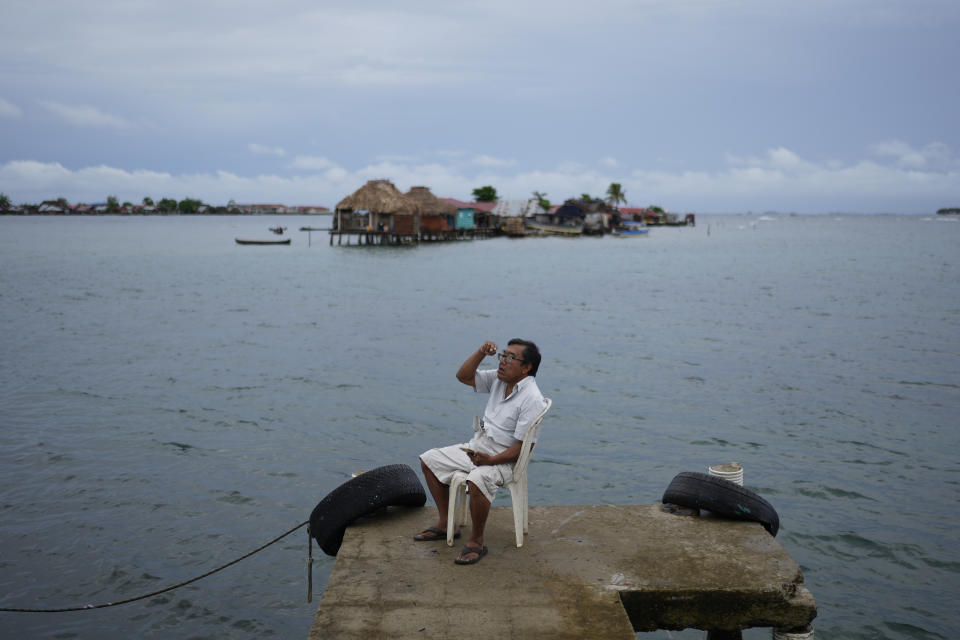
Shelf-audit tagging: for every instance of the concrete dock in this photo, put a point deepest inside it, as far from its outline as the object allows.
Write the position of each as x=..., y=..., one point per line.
x=599, y=571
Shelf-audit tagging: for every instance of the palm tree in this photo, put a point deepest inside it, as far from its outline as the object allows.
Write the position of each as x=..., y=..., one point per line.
x=615, y=194
x=4, y=201
x=542, y=200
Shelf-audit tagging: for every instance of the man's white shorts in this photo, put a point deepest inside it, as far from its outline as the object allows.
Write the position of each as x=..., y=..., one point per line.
x=488, y=478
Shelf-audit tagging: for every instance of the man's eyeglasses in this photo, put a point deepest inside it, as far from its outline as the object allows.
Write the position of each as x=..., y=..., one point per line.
x=509, y=357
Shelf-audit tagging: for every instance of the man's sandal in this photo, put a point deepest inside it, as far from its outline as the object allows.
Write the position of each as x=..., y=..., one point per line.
x=431, y=534
x=468, y=549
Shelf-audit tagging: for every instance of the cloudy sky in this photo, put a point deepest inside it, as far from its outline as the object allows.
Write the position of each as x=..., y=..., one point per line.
x=695, y=105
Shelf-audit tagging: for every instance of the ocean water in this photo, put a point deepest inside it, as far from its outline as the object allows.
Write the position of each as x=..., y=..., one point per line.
x=170, y=401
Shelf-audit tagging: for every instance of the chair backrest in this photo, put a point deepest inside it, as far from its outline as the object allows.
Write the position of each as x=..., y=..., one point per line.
x=527, y=448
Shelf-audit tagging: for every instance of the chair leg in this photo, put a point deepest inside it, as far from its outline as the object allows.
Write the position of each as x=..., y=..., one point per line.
x=454, y=507
x=517, y=499
x=463, y=504
x=526, y=508
x=451, y=516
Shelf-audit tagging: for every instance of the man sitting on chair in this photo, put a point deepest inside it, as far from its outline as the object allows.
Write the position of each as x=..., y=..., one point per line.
x=515, y=402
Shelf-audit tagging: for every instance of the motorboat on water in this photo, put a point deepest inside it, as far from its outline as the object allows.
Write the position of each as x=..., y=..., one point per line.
x=630, y=228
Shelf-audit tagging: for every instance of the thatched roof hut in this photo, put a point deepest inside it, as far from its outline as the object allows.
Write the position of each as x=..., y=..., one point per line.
x=378, y=196
x=430, y=205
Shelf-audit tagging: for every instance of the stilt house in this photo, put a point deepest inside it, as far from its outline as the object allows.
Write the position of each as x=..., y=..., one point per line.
x=377, y=206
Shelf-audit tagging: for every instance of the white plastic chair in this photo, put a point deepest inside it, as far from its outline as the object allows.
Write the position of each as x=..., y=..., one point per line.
x=457, y=511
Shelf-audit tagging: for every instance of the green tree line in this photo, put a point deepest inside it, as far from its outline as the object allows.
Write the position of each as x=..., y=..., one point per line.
x=113, y=205
x=615, y=196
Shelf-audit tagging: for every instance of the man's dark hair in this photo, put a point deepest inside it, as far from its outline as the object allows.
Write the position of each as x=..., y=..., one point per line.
x=531, y=354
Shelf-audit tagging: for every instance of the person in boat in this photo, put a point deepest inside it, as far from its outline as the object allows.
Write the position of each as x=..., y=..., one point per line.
x=514, y=403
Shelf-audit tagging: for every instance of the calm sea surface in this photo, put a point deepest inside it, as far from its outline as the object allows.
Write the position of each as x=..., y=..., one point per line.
x=170, y=401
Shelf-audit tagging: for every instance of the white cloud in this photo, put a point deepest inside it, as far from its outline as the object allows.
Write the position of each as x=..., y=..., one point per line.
x=86, y=116
x=778, y=159
x=397, y=158
x=901, y=151
x=787, y=160
x=263, y=150
x=313, y=163
x=935, y=154
x=491, y=161
x=9, y=110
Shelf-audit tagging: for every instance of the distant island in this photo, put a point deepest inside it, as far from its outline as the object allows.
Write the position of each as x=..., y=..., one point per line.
x=166, y=206
x=955, y=211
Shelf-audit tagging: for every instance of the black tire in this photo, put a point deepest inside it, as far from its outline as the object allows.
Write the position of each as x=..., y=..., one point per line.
x=721, y=497
x=395, y=485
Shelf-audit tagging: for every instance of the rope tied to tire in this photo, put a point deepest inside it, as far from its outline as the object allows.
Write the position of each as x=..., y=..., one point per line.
x=391, y=485
x=159, y=591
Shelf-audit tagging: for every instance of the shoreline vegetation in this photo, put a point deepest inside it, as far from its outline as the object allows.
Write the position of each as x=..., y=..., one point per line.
x=190, y=206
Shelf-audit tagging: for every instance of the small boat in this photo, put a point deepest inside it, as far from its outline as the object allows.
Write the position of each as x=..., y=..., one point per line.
x=278, y=230
x=630, y=228
x=239, y=241
x=551, y=229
